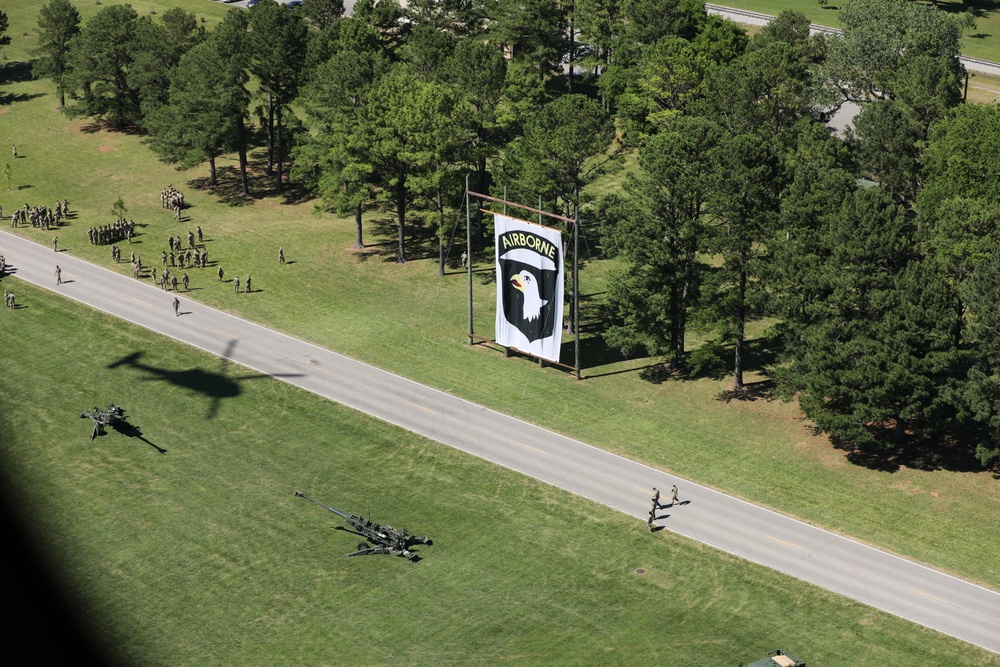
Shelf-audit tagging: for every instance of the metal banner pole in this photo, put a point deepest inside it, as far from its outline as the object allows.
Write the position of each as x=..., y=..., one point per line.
x=576, y=288
x=468, y=251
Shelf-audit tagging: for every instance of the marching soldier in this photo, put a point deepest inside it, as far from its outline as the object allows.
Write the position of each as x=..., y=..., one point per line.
x=199, y=234
x=173, y=283
x=184, y=281
x=248, y=284
x=281, y=255
x=673, y=491
x=58, y=275
x=55, y=244
x=177, y=306
x=649, y=521
x=656, y=497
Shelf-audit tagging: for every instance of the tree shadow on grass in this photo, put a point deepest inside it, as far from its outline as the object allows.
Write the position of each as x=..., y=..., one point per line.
x=228, y=186
x=979, y=8
x=954, y=452
x=8, y=99
x=17, y=71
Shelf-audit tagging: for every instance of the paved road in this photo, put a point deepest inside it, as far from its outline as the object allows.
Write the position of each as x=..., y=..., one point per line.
x=912, y=591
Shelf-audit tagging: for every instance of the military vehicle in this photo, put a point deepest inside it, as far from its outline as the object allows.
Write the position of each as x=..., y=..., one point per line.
x=101, y=418
x=777, y=658
x=384, y=539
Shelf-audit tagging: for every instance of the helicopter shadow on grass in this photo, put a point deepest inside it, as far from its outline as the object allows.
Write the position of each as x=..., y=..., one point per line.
x=214, y=385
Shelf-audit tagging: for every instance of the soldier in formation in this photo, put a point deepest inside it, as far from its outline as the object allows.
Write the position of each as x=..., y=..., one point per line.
x=120, y=230
x=185, y=281
x=172, y=199
x=37, y=216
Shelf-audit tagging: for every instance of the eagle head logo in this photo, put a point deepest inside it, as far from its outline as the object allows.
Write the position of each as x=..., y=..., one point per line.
x=525, y=283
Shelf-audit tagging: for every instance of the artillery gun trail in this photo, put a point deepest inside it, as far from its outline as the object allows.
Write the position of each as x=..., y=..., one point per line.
x=384, y=539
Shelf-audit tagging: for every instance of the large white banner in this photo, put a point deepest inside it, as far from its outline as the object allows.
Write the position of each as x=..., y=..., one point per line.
x=529, y=287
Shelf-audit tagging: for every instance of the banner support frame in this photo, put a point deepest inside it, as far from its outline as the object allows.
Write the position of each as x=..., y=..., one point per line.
x=575, y=223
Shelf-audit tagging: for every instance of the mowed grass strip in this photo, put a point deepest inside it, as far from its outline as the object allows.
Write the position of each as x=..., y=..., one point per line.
x=201, y=554
x=406, y=319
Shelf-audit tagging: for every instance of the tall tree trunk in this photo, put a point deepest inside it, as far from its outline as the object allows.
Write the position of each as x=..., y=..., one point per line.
x=572, y=48
x=676, y=345
x=211, y=171
x=278, y=146
x=358, y=242
x=741, y=317
x=478, y=228
x=242, y=144
x=401, y=218
x=440, y=207
x=270, y=134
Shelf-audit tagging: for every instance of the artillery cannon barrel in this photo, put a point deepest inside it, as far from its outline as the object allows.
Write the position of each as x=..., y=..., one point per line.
x=332, y=509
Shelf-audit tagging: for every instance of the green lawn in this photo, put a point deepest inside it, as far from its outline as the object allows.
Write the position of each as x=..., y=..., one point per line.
x=201, y=555
x=983, y=42
x=405, y=319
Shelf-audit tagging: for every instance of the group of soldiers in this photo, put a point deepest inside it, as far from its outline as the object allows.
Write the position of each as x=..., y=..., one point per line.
x=40, y=216
x=168, y=281
x=656, y=505
x=121, y=229
x=193, y=257
x=172, y=199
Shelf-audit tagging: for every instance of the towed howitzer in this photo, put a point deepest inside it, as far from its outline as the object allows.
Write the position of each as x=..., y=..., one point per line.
x=384, y=539
x=101, y=418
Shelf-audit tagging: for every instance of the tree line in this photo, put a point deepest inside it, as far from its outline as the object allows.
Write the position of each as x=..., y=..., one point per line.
x=870, y=254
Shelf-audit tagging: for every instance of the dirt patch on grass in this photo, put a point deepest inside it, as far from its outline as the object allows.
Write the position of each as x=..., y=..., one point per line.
x=106, y=148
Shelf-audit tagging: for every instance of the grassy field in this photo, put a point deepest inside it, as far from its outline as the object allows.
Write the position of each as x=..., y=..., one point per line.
x=983, y=42
x=406, y=319
x=201, y=555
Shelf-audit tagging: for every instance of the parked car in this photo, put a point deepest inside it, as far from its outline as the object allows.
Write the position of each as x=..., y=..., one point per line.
x=292, y=4
x=251, y=3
